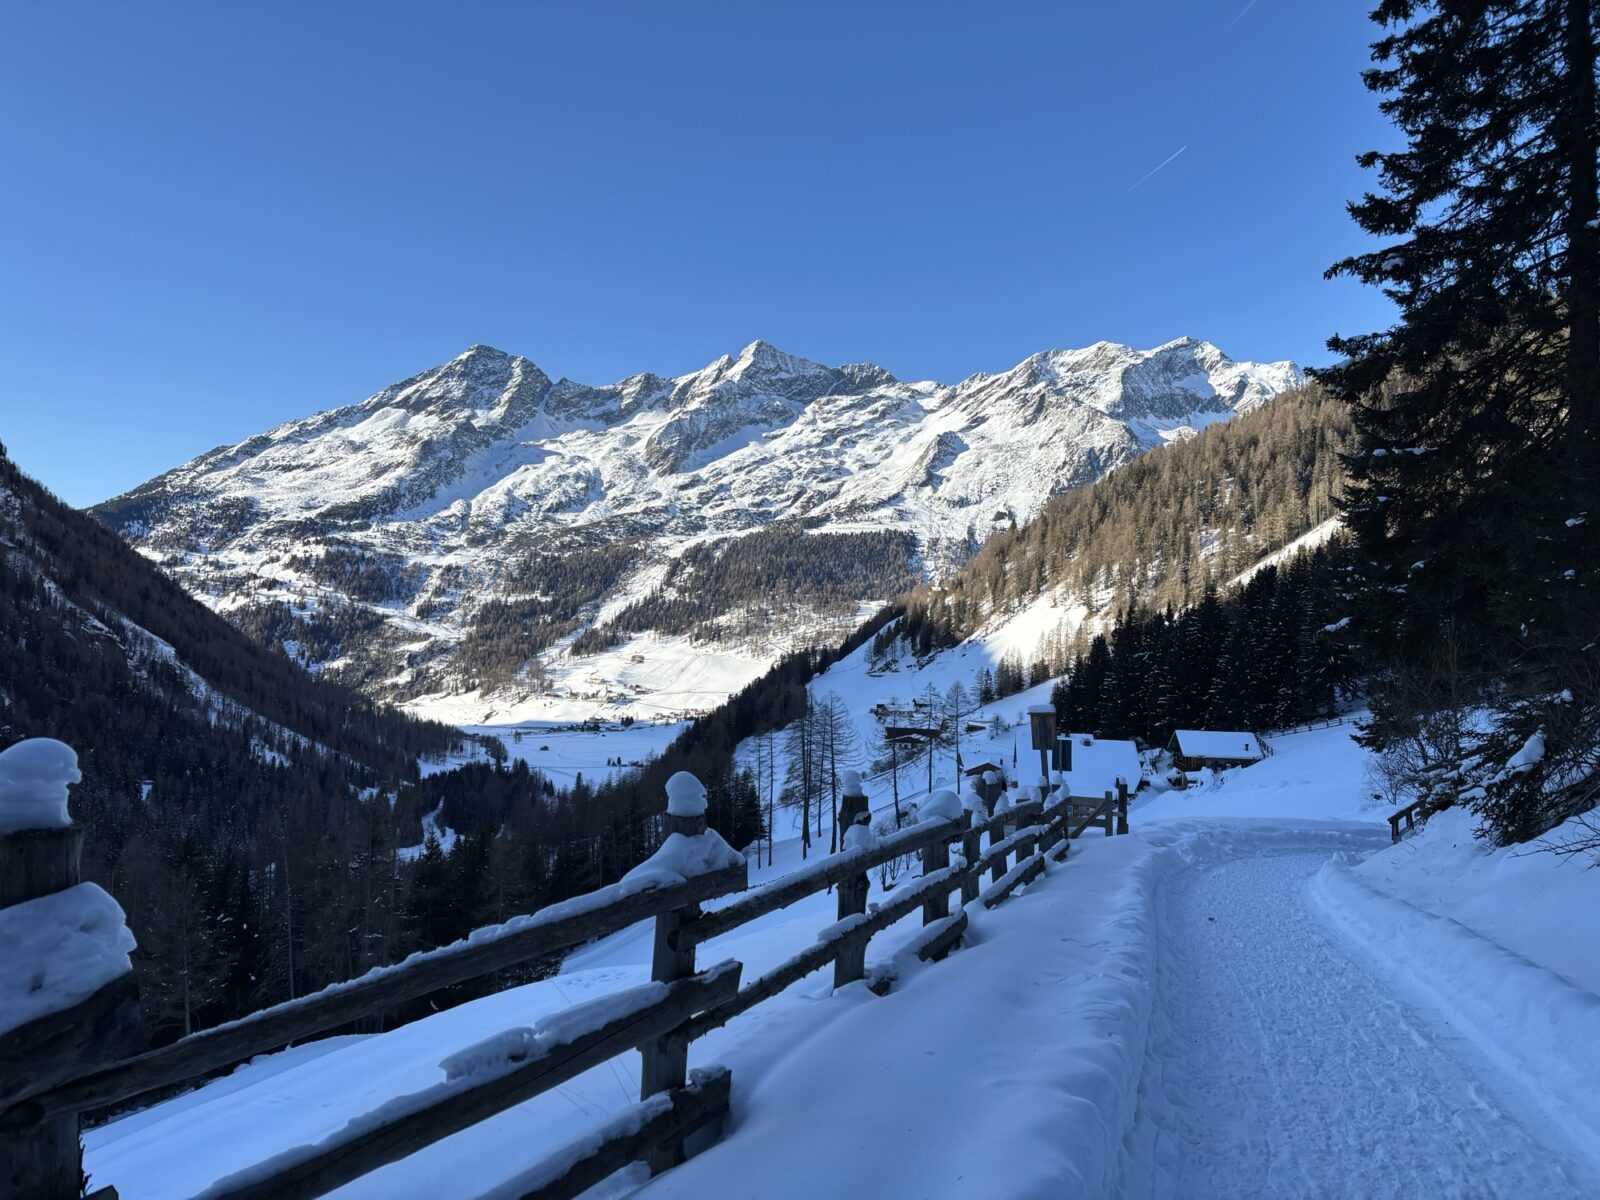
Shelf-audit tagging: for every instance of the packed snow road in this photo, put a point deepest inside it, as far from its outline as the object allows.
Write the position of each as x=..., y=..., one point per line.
x=1279, y=1065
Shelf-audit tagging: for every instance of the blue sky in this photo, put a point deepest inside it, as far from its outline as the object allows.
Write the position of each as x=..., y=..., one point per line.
x=222, y=216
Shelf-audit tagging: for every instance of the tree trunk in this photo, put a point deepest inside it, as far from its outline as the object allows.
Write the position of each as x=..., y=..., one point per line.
x=1583, y=260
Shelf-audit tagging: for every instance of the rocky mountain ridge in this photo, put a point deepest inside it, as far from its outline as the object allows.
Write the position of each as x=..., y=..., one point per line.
x=463, y=528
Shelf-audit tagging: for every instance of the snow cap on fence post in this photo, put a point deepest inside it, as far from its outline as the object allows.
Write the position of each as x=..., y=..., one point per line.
x=860, y=837
x=34, y=778
x=972, y=801
x=940, y=806
x=690, y=848
x=686, y=796
x=853, y=808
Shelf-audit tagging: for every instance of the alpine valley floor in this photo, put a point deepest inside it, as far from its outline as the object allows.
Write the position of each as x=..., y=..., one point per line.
x=1253, y=995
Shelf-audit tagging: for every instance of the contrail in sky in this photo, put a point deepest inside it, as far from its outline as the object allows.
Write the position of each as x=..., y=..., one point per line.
x=1159, y=165
x=1242, y=12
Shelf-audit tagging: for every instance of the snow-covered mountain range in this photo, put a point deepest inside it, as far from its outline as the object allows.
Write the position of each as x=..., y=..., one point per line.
x=381, y=540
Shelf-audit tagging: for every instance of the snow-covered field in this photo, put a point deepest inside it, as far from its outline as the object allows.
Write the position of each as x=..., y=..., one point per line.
x=1254, y=994
x=563, y=752
x=673, y=678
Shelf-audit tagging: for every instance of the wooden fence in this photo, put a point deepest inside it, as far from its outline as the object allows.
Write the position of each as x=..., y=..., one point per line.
x=1413, y=814
x=73, y=1062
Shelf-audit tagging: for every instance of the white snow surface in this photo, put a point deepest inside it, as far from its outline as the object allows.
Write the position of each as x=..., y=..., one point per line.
x=34, y=777
x=58, y=950
x=1254, y=994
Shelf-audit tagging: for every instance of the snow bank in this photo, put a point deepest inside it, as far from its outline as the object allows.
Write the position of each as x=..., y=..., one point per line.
x=34, y=777
x=59, y=950
x=1501, y=940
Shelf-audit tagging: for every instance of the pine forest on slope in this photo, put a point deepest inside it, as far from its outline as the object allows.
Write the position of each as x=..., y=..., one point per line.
x=227, y=795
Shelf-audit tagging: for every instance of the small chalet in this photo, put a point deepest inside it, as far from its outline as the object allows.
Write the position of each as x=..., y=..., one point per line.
x=1193, y=749
x=977, y=769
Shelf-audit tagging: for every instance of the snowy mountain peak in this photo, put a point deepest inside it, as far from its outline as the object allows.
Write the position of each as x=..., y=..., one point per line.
x=460, y=477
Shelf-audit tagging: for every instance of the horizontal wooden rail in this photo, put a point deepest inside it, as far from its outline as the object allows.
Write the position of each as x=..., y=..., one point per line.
x=660, y=1018
x=807, y=881
x=1025, y=871
x=999, y=851
x=830, y=945
x=406, y=1124
x=546, y=932
x=1102, y=812
x=1411, y=814
x=626, y=1138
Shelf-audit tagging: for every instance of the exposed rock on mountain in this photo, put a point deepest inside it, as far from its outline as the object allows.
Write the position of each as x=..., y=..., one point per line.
x=459, y=530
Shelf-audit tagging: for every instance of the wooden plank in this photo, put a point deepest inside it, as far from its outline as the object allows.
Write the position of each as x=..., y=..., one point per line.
x=664, y=1059
x=1025, y=871
x=935, y=859
x=688, y=1109
x=971, y=848
x=39, y=862
x=310, y=1171
x=997, y=853
x=1083, y=822
x=781, y=893
x=937, y=940
x=383, y=988
x=851, y=964
x=828, y=946
x=44, y=1161
x=63, y=1045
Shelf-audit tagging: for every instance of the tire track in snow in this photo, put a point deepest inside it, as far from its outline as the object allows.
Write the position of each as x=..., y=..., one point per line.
x=1279, y=1066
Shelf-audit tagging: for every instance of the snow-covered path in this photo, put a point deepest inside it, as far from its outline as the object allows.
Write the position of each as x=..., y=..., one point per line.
x=1279, y=1065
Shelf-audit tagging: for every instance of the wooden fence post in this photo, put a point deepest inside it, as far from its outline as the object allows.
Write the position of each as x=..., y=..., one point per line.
x=666, y=1058
x=851, y=964
x=44, y=1162
x=1111, y=804
x=971, y=850
x=1122, y=806
x=41, y=855
x=936, y=858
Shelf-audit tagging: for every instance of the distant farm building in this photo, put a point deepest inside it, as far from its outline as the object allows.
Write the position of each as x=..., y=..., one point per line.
x=1193, y=749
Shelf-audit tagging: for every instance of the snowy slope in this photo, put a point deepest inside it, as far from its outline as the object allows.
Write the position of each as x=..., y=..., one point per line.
x=1102, y=1034
x=451, y=478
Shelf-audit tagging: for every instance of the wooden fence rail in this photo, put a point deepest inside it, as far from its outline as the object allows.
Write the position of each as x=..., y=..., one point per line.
x=1413, y=814
x=682, y=1003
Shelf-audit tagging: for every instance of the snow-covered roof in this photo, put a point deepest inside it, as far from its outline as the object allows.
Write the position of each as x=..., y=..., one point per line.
x=1097, y=764
x=1218, y=743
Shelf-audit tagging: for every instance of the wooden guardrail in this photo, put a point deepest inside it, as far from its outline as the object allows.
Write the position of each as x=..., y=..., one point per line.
x=40, y=1107
x=1418, y=811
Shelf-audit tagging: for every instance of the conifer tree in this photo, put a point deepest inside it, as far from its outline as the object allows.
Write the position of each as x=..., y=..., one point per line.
x=1474, y=493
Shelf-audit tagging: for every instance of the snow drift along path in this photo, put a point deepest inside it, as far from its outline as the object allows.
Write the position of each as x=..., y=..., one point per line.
x=1279, y=1065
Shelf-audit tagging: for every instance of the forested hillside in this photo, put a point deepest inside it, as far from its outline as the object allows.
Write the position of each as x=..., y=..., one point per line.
x=1158, y=530
x=1263, y=656
x=228, y=795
